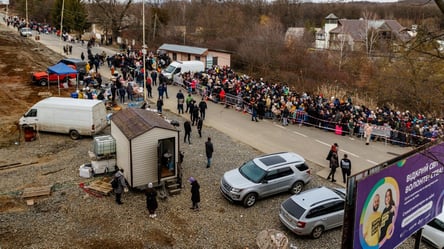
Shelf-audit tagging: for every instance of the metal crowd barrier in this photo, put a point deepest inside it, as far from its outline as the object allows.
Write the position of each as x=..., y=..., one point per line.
x=298, y=117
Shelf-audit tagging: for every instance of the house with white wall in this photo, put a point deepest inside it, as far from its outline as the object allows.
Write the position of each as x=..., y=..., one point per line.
x=354, y=34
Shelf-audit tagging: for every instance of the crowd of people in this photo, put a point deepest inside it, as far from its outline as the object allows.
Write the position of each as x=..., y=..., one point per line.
x=20, y=22
x=259, y=97
x=263, y=99
x=268, y=100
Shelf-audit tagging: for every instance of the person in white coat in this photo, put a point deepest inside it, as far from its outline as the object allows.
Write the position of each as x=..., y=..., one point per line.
x=367, y=133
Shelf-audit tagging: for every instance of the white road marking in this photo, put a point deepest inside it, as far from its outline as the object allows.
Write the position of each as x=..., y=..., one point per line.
x=349, y=153
x=279, y=126
x=295, y=132
x=324, y=143
x=370, y=161
x=300, y=134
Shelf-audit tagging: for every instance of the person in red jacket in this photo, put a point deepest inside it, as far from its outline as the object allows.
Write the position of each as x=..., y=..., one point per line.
x=222, y=95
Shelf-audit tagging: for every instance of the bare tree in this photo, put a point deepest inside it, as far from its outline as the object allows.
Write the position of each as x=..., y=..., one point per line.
x=370, y=34
x=263, y=45
x=112, y=15
x=343, y=49
x=412, y=81
x=440, y=4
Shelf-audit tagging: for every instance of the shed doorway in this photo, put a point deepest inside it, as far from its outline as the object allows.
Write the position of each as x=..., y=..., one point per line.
x=166, y=157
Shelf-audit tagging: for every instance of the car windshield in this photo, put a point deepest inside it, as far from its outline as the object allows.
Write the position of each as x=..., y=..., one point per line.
x=252, y=172
x=170, y=69
x=437, y=223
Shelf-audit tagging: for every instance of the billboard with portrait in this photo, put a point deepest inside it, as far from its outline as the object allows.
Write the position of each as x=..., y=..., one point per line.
x=395, y=202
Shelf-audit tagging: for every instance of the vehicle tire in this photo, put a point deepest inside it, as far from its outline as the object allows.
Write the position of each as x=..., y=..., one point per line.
x=317, y=232
x=43, y=82
x=250, y=199
x=297, y=187
x=74, y=134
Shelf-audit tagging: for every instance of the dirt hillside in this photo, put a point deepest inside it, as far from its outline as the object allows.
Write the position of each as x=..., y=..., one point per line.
x=19, y=56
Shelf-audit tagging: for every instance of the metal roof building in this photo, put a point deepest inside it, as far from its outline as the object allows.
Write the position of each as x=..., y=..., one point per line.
x=187, y=53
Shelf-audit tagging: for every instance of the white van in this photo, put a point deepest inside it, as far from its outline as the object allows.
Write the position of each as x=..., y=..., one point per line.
x=177, y=67
x=75, y=117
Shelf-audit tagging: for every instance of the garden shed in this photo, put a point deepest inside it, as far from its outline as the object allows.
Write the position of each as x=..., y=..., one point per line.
x=147, y=147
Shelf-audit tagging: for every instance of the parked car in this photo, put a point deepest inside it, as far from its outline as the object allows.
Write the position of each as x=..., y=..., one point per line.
x=433, y=232
x=42, y=78
x=25, y=32
x=314, y=211
x=76, y=64
x=264, y=176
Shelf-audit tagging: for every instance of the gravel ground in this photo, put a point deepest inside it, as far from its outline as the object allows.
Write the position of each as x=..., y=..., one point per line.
x=71, y=218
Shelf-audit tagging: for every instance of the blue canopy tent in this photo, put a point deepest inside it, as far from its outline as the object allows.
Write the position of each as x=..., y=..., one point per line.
x=60, y=69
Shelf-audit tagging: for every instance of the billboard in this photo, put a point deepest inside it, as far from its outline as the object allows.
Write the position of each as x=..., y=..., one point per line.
x=4, y=2
x=394, y=203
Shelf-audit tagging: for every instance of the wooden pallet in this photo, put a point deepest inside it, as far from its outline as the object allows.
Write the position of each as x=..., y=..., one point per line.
x=36, y=191
x=102, y=186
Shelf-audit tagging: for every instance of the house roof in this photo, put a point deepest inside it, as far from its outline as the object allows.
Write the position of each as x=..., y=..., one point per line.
x=183, y=49
x=134, y=122
x=356, y=28
x=331, y=16
x=294, y=33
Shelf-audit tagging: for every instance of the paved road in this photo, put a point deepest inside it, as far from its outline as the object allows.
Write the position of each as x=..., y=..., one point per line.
x=267, y=135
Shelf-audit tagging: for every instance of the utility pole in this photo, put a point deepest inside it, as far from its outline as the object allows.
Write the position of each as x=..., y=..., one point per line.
x=26, y=7
x=144, y=51
x=155, y=23
x=61, y=22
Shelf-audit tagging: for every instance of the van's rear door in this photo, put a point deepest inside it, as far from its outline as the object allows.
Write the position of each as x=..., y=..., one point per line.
x=99, y=117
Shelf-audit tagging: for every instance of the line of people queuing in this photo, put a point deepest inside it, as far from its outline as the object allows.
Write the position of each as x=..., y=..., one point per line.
x=264, y=99
x=279, y=101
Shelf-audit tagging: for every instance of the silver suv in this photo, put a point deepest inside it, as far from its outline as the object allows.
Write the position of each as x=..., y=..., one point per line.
x=264, y=176
x=314, y=211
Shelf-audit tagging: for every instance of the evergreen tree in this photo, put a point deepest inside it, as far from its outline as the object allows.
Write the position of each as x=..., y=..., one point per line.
x=74, y=15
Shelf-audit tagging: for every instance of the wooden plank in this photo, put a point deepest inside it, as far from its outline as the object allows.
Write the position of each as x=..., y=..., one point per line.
x=101, y=186
x=44, y=94
x=36, y=191
x=16, y=165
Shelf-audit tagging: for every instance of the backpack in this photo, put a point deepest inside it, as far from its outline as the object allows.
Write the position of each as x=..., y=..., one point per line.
x=115, y=183
x=329, y=155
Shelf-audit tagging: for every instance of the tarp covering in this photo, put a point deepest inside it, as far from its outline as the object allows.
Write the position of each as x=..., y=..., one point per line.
x=61, y=69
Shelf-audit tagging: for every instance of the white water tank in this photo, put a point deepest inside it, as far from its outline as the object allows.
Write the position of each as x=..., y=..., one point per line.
x=104, y=145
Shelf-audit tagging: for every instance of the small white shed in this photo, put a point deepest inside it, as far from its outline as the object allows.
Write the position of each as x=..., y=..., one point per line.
x=147, y=147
